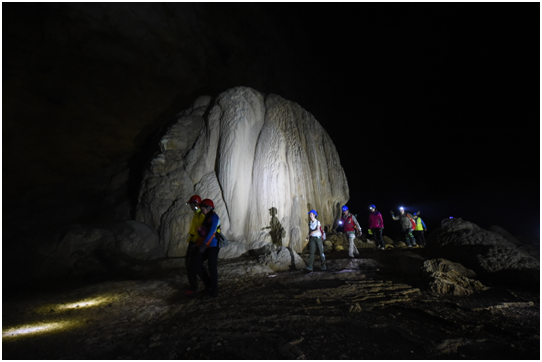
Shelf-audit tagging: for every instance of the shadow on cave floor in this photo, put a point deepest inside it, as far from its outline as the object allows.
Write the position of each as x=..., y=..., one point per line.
x=372, y=307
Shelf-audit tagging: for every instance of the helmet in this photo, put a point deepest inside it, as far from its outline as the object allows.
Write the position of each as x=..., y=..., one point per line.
x=208, y=202
x=372, y=206
x=345, y=208
x=313, y=212
x=195, y=199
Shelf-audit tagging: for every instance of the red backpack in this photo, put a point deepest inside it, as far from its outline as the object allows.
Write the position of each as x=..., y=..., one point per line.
x=413, y=223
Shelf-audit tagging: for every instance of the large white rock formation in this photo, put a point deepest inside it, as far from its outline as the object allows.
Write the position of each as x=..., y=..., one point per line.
x=249, y=153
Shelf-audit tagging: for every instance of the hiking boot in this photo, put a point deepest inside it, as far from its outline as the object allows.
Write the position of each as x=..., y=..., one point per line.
x=324, y=268
x=308, y=269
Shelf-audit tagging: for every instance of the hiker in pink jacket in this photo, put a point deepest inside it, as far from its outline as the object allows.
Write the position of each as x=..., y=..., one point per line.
x=376, y=224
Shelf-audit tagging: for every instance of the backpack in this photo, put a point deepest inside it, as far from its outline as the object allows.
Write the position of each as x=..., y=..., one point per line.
x=321, y=230
x=222, y=241
x=413, y=223
x=323, y=233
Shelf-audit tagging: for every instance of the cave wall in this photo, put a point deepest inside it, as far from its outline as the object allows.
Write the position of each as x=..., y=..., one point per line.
x=86, y=84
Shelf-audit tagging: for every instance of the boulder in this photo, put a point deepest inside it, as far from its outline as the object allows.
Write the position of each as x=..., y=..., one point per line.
x=84, y=250
x=446, y=277
x=137, y=240
x=282, y=259
x=505, y=234
x=250, y=153
x=493, y=257
x=387, y=240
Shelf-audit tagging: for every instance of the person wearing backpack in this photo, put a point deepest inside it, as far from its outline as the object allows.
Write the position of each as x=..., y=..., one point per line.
x=376, y=225
x=315, y=240
x=406, y=226
x=208, y=249
x=420, y=228
x=192, y=251
x=351, y=228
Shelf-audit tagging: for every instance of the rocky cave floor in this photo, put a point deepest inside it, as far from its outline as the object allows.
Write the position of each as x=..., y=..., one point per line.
x=371, y=307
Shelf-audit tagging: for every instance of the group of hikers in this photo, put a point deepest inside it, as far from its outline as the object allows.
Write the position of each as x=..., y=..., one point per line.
x=409, y=224
x=204, y=236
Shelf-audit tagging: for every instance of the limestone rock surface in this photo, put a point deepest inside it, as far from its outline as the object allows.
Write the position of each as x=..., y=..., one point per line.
x=250, y=153
x=488, y=253
x=94, y=249
x=446, y=277
x=282, y=259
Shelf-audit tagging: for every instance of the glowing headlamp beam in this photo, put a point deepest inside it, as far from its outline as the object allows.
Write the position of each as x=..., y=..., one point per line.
x=30, y=329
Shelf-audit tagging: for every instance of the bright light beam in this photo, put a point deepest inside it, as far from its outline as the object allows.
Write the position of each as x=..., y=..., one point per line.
x=34, y=328
x=82, y=304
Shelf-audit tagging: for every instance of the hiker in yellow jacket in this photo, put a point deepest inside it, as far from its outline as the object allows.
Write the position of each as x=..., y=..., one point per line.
x=192, y=251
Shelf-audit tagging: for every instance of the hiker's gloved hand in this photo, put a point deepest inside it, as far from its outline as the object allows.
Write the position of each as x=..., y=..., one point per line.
x=202, y=248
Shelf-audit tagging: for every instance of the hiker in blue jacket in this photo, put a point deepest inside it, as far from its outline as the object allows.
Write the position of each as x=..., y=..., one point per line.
x=208, y=249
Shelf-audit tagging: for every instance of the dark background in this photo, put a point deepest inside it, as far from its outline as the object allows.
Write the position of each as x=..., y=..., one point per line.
x=434, y=107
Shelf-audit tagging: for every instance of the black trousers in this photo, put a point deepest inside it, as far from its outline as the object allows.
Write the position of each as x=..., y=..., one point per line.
x=191, y=255
x=377, y=233
x=410, y=241
x=210, y=278
x=419, y=234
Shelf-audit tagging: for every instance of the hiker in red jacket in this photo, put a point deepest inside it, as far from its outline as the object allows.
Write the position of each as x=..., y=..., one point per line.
x=376, y=224
x=351, y=229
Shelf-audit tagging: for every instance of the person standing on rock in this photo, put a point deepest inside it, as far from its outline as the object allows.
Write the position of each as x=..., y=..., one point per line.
x=192, y=251
x=315, y=240
x=208, y=249
x=420, y=228
x=376, y=224
x=406, y=226
x=351, y=228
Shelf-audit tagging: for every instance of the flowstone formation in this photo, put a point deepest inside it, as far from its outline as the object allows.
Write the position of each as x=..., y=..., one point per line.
x=250, y=153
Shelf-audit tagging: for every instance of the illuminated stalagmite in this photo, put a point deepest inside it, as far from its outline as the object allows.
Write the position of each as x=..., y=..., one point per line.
x=249, y=153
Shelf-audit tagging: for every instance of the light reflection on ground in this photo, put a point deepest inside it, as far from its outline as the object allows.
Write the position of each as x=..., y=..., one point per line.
x=83, y=303
x=35, y=328
x=52, y=326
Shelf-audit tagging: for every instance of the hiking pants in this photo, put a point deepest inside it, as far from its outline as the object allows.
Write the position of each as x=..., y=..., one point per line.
x=377, y=233
x=314, y=242
x=191, y=255
x=419, y=234
x=352, y=247
x=410, y=241
x=210, y=279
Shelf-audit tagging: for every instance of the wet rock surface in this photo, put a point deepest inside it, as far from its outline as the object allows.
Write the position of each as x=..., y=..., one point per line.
x=376, y=306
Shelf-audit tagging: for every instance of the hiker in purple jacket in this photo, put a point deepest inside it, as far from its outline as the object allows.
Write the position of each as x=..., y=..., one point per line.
x=376, y=224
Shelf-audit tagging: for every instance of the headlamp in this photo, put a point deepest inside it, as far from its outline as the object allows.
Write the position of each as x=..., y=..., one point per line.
x=340, y=222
